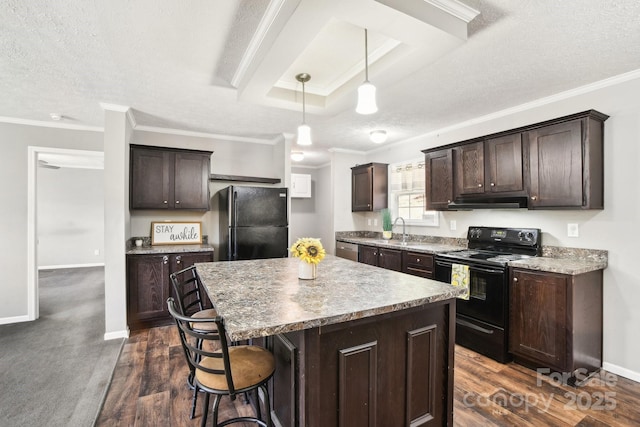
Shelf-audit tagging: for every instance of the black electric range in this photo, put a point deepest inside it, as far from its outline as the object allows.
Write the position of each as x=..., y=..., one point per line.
x=482, y=322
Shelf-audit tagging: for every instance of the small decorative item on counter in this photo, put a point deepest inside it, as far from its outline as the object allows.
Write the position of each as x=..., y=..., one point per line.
x=138, y=242
x=387, y=226
x=310, y=252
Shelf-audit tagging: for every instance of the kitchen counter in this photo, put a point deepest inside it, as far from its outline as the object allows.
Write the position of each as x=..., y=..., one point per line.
x=343, y=291
x=571, y=261
x=571, y=266
x=344, y=339
x=414, y=246
x=168, y=249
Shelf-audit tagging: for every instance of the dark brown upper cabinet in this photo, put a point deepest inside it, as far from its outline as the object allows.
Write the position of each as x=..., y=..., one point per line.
x=369, y=187
x=557, y=164
x=489, y=167
x=439, y=179
x=165, y=178
x=565, y=162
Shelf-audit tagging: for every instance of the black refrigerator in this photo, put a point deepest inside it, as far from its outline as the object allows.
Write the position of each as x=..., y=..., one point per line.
x=253, y=223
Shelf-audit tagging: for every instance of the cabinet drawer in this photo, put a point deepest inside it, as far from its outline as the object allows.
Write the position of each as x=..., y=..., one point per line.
x=418, y=264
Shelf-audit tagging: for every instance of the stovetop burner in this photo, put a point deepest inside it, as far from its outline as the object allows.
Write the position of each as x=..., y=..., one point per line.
x=497, y=246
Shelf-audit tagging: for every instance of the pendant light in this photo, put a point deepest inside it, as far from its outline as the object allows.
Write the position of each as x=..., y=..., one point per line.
x=366, y=91
x=304, y=131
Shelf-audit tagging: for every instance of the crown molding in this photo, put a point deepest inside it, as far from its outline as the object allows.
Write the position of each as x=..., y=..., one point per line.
x=455, y=8
x=170, y=131
x=47, y=124
x=561, y=96
x=258, y=38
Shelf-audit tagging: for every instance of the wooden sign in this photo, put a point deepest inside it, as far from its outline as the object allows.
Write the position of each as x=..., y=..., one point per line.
x=176, y=233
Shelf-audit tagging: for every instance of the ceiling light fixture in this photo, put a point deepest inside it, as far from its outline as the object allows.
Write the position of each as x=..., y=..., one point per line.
x=304, y=131
x=55, y=116
x=378, y=136
x=297, y=156
x=366, y=91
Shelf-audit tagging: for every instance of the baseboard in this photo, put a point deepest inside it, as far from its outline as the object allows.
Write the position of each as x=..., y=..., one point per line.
x=59, y=267
x=116, y=334
x=623, y=372
x=15, y=319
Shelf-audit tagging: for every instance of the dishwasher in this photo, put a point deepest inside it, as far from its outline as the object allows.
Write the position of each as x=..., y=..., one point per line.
x=347, y=250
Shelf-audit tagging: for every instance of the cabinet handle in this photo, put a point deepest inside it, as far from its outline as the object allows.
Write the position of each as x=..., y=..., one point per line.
x=448, y=201
x=165, y=202
x=493, y=184
x=165, y=259
x=417, y=259
x=177, y=202
x=515, y=279
x=479, y=185
x=178, y=259
x=534, y=197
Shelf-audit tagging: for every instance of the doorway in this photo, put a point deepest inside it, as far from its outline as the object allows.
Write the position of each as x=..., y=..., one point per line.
x=40, y=159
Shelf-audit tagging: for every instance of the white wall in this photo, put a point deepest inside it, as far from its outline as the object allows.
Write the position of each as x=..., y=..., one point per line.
x=615, y=228
x=304, y=220
x=70, y=217
x=13, y=210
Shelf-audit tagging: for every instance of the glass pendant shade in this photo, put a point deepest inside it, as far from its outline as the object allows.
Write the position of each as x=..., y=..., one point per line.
x=366, y=99
x=304, y=134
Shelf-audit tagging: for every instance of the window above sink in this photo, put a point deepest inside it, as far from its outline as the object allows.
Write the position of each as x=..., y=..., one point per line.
x=407, y=194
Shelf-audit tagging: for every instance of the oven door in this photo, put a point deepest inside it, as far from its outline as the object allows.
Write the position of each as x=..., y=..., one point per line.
x=487, y=291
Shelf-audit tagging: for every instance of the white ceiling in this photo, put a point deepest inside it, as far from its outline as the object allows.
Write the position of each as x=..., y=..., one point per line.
x=225, y=67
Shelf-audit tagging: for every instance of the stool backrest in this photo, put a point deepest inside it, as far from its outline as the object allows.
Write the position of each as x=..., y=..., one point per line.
x=188, y=291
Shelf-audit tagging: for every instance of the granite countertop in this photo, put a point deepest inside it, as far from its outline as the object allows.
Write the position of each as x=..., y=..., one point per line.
x=554, y=259
x=265, y=297
x=571, y=266
x=414, y=246
x=168, y=249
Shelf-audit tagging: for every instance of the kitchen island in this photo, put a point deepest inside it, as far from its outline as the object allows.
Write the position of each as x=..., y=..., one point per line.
x=358, y=346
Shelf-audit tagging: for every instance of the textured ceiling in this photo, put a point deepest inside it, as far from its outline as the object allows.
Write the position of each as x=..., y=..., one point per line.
x=184, y=65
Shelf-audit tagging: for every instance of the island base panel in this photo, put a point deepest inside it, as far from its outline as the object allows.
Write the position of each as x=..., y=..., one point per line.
x=394, y=369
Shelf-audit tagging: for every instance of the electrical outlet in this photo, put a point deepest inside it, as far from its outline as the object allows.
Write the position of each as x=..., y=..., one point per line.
x=368, y=221
x=96, y=252
x=375, y=222
x=452, y=225
x=573, y=230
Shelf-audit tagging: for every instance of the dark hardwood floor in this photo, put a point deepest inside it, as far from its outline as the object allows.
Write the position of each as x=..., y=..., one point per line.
x=149, y=389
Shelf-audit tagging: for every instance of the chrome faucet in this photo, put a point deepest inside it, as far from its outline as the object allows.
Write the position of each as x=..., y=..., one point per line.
x=404, y=234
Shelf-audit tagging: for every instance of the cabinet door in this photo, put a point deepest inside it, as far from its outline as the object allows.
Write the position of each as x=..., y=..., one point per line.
x=504, y=164
x=150, y=179
x=182, y=261
x=555, y=164
x=361, y=189
x=300, y=185
x=148, y=289
x=538, y=317
x=438, y=179
x=191, y=181
x=368, y=255
x=469, y=169
x=391, y=259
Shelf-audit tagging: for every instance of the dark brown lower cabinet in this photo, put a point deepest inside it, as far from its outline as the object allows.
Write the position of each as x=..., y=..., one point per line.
x=387, y=370
x=149, y=286
x=556, y=321
x=391, y=259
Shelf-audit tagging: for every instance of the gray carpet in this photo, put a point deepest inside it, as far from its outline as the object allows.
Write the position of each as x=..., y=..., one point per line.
x=55, y=371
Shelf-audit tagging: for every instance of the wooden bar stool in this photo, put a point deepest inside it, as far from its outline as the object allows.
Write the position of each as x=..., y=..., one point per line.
x=227, y=371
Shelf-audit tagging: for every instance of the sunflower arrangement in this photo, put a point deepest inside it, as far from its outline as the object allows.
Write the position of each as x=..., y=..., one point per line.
x=308, y=249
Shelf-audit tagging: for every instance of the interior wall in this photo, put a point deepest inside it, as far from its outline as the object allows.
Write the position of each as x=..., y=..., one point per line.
x=70, y=217
x=228, y=158
x=614, y=228
x=304, y=211
x=13, y=211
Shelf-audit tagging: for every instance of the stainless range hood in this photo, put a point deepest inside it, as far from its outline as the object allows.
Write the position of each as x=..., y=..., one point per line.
x=488, y=203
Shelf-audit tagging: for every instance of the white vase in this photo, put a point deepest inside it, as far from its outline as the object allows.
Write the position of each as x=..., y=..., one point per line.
x=387, y=235
x=307, y=270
